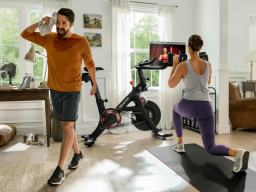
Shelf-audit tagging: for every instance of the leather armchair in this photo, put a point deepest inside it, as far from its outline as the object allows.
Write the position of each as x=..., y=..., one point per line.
x=242, y=111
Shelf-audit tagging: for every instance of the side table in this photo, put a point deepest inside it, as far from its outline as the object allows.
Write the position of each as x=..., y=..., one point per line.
x=249, y=86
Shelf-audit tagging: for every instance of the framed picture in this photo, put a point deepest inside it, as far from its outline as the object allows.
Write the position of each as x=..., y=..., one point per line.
x=25, y=82
x=94, y=39
x=92, y=21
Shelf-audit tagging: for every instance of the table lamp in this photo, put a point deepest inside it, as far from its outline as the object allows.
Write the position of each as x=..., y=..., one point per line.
x=31, y=57
x=250, y=56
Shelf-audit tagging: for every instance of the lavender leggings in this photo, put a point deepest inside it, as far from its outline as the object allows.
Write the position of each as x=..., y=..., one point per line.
x=203, y=112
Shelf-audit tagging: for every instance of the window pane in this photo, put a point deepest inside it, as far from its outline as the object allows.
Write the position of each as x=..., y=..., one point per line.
x=147, y=74
x=38, y=67
x=142, y=40
x=154, y=22
x=137, y=78
x=9, y=54
x=39, y=80
x=142, y=22
x=154, y=36
x=5, y=83
x=8, y=17
x=141, y=56
x=132, y=60
x=144, y=28
x=132, y=39
x=35, y=16
x=133, y=76
x=9, y=36
x=155, y=78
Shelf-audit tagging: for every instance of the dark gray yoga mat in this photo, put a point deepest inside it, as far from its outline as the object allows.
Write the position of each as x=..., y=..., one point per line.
x=206, y=172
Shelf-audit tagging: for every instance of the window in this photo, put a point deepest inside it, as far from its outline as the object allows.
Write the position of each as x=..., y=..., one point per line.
x=144, y=27
x=9, y=42
x=36, y=15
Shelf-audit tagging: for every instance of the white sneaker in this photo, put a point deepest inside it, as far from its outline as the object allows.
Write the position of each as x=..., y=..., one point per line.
x=179, y=148
x=241, y=160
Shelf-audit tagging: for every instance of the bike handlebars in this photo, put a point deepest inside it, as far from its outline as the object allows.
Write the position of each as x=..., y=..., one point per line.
x=146, y=62
x=141, y=65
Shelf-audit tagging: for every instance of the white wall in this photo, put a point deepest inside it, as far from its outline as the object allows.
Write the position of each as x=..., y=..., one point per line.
x=207, y=22
x=211, y=24
x=239, y=13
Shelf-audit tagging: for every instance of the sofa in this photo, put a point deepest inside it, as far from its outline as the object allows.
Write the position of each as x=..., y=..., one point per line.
x=242, y=111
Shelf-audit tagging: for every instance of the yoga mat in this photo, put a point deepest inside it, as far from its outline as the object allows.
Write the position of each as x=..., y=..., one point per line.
x=206, y=172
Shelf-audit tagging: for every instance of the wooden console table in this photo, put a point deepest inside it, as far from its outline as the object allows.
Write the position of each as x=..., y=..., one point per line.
x=7, y=94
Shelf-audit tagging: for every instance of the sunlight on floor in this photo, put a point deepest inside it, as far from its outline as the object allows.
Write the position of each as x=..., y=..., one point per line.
x=161, y=172
x=18, y=147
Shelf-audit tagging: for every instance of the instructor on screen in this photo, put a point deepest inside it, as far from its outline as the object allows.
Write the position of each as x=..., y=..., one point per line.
x=164, y=57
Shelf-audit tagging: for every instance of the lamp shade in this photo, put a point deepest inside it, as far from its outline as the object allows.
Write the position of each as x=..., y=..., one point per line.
x=31, y=56
x=250, y=56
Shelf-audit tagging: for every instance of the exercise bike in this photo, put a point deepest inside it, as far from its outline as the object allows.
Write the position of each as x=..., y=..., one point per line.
x=145, y=115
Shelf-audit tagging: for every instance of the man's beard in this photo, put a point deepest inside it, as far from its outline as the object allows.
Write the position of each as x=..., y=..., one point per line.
x=63, y=33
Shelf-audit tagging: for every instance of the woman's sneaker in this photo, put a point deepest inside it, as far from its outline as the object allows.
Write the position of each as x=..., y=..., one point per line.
x=75, y=160
x=241, y=161
x=179, y=148
x=57, y=177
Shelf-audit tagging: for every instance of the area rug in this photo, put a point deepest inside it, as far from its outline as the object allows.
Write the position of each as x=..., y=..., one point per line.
x=31, y=178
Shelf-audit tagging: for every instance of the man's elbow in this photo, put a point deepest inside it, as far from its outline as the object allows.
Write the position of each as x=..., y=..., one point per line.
x=24, y=34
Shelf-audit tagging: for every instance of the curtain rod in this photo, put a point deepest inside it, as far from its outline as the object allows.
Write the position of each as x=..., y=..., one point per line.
x=148, y=3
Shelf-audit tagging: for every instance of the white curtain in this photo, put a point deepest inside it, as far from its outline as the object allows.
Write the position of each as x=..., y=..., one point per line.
x=121, y=70
x=253, y=33
x=50, y=6
x=168, y=96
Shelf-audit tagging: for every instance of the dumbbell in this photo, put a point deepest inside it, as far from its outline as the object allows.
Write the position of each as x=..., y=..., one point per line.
x=203, y=56
x=182, y=57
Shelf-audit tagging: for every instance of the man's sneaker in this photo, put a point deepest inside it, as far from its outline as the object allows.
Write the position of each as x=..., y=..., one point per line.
x=241, y=160
x=179, y=148
x=75, y=160
x=57, y=177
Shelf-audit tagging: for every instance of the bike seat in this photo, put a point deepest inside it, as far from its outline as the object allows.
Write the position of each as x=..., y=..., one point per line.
x=96, y=68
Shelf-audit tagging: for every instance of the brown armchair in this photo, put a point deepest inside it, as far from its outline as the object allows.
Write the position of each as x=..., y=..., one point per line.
x=242, y=111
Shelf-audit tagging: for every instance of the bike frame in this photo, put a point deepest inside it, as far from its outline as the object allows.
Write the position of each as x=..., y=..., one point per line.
x=134, y=96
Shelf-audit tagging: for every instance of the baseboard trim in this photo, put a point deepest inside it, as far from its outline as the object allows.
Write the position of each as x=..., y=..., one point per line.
x=80, y=130
x=22, y=131
x=223, y=129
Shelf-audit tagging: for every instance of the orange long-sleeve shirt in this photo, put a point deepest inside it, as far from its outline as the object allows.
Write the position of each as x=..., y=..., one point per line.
x=64, y=57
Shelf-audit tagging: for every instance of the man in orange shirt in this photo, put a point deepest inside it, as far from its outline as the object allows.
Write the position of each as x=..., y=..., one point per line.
x=65, y=51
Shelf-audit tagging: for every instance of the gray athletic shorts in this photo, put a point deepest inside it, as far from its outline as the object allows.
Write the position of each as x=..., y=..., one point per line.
x=65, y=105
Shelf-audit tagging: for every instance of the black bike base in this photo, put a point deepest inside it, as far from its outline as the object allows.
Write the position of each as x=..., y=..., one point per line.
x=206, y=172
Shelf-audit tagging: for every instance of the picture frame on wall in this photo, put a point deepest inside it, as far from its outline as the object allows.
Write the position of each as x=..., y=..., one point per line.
x=94, y=39
x=92, y=21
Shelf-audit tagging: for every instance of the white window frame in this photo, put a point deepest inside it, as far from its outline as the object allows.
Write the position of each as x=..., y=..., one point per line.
x=147, y=9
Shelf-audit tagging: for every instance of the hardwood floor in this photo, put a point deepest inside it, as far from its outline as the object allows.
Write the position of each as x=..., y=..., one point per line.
x=124, y=158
